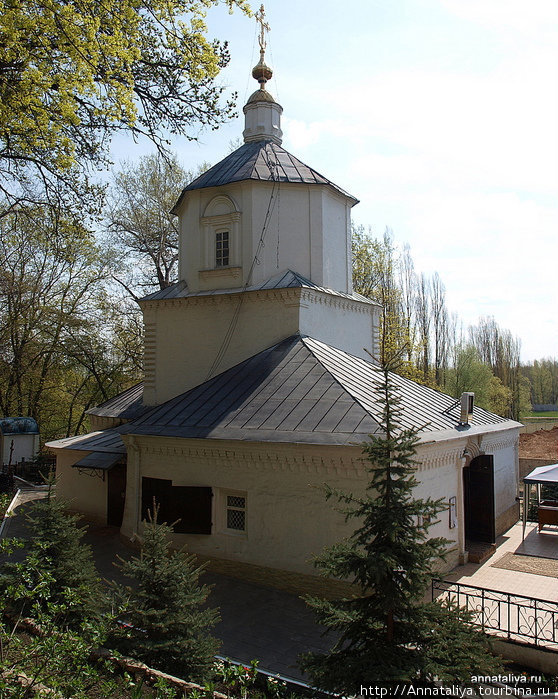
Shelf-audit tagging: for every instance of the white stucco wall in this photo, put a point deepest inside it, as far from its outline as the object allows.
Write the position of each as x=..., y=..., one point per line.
x=83, y=493
x=26, y=446
x=347, y=325
x=184, y=336
x=306, y=228
x=504, y=446
x=288, y=518
x=188, y=334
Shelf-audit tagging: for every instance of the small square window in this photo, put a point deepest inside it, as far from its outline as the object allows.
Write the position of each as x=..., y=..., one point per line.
x=236, y=513
x=222, y=249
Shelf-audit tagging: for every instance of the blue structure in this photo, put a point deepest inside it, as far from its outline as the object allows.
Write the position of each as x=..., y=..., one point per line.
x=19, y=439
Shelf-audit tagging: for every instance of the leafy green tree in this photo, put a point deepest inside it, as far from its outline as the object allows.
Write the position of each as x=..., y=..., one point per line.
x=470, y=373
x=57, y=354
x=500, y=350
x=387, y=633
x=169, y=621
x=72, y=75
x=140, y=226
x=376, y=276
x=41, y=658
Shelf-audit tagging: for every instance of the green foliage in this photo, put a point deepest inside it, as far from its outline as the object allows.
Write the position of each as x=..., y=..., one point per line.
x=57, y=357
x=375, y=275
x=168, y=617
x=59, y=566
x=140, y=226
x=543, y=377
x=74, y=74
x=49, y=657
x=387, y=633
x=470, y=373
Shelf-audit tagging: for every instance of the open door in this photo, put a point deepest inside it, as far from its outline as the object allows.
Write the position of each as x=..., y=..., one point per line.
x=478, y=490
x=116, y=494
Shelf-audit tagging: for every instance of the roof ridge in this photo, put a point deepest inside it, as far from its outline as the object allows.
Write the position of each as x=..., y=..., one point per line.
x=248, y=162
x=347, y=390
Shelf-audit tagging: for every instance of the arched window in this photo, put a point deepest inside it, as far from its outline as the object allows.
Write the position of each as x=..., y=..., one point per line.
x=220, y=229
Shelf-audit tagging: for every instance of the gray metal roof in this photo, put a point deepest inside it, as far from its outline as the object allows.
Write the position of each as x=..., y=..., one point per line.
x=282, y=394
x=125, y=405
x=301, y=390
x=101, y=460
x=105, y=441
x=422, y=408
x=283, y=280
x=259, y=160
x=298, y=391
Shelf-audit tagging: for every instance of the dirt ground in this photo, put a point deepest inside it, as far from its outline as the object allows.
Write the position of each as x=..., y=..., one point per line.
x=542, y=444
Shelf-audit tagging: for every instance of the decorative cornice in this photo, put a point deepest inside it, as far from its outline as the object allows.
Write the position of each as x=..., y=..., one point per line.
x=324, y=298
x=497, y=441
x=286, y=294
x=283, y=457
x=232, y=216
x=438, y=459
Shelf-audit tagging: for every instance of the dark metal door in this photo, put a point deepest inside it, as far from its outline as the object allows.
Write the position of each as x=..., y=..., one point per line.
x=116, y=495
x=478, y=486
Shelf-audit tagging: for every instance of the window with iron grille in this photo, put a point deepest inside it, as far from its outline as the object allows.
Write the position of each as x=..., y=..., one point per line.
x=236, y=512
x=222, y=249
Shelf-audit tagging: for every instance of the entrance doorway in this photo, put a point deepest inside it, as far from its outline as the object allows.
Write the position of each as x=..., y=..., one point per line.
x=478, y=492
x=116, y=495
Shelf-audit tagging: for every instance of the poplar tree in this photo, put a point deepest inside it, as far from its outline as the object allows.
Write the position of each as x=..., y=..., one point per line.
x=388, y=633
x=168, y=621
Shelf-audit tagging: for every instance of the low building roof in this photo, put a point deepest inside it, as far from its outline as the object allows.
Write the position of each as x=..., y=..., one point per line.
x=18, y=425
x=259, y=160
x=126, y=405
x=108, y=441
x=284, y=280
x=300, y=390
x=303, y=390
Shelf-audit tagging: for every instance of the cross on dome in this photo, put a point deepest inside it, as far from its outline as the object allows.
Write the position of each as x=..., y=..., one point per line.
x=262, y=113
x=264, y=26
x=262, y=72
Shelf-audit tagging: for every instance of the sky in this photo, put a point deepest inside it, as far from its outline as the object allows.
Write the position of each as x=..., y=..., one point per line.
x=441, y=117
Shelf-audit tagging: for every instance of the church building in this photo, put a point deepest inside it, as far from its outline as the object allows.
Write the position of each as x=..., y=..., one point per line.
x=259, y=384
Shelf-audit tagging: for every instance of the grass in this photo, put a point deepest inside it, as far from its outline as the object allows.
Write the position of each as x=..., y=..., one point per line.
x=541, y=413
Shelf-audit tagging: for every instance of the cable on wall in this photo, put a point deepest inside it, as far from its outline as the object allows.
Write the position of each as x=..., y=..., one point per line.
x=273, y=168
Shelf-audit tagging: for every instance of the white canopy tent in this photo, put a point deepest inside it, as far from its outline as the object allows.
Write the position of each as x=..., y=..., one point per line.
x=541, y=475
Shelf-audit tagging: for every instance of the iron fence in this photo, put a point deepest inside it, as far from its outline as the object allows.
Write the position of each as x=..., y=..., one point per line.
x=34, y=471
x=514, y=617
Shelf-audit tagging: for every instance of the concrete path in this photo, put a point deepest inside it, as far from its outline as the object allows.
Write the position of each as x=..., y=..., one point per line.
x=261, y=623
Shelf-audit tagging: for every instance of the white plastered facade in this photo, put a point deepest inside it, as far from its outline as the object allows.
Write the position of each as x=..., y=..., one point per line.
x=288, y=521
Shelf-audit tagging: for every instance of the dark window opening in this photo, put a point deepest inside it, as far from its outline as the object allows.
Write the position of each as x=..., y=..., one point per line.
x=187, y=508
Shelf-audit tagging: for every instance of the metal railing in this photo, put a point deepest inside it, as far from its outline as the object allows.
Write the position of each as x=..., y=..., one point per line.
x=510, y=616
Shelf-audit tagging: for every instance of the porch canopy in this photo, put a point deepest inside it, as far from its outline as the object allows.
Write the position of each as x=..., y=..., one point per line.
x=540, y=475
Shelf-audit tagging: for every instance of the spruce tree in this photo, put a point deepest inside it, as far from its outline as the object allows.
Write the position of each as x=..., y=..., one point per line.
x=65, y=562
x=387, y=633
x=169, y=622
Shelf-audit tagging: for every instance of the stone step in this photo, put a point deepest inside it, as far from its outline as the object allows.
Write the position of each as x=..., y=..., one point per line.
x=479, y=551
